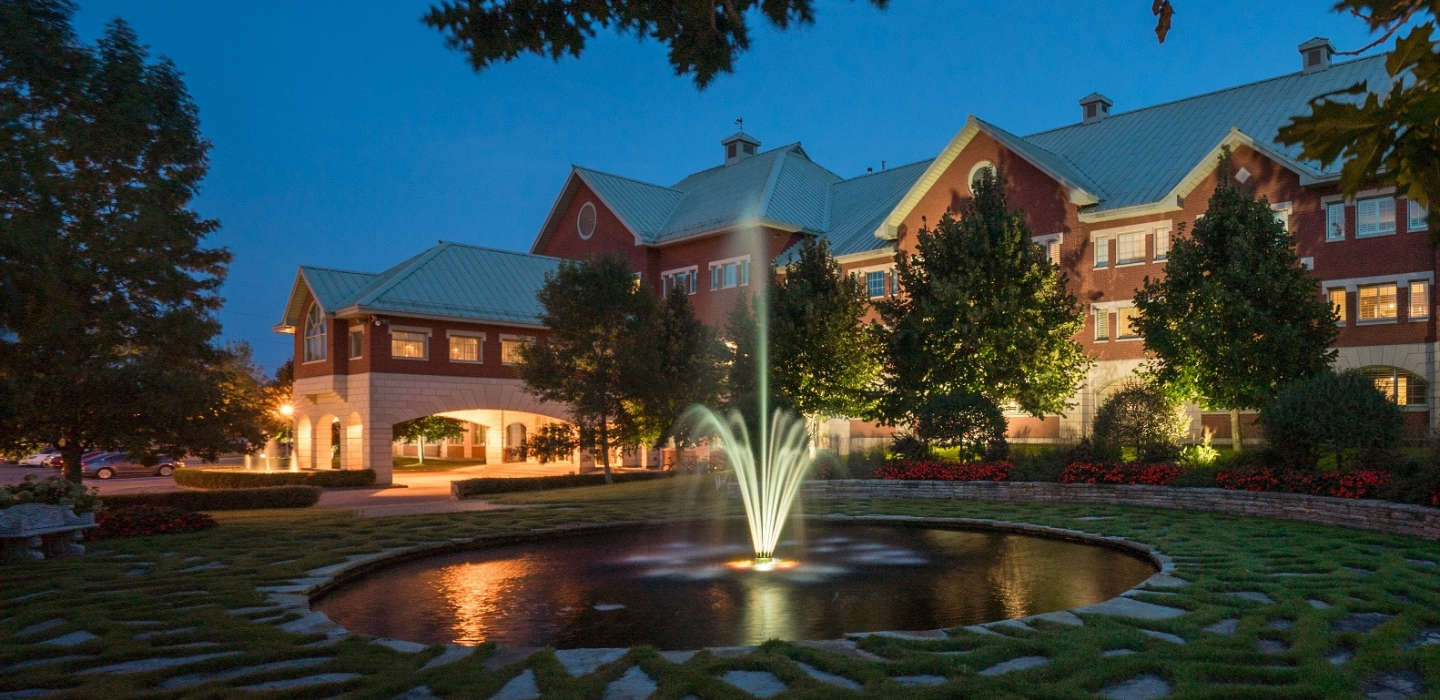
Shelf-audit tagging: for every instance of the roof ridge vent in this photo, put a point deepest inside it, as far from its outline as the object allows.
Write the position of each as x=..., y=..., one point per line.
x=739, y=146
x=1094, y=107
x=1315, y=55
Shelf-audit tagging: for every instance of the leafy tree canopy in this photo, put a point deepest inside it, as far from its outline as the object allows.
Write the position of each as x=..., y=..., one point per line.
x=679, y=366
x=431, y=429
x=1330, y=412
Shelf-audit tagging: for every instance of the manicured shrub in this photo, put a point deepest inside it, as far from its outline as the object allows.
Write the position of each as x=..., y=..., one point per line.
x=1360, y=483
x=470, y=488
x=929, y=470
x=223, y=499
x=241, y=479
x=1138, y=421
x=1330, y=413
x=52, y=490
x=971, y=422
x=1130, y=473
x=142, y=521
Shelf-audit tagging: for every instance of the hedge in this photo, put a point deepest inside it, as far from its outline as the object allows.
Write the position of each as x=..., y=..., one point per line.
x=222, y=499
x=469, y=488
x=239, y=479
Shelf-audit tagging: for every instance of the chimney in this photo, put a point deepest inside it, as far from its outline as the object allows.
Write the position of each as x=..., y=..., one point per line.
x=739, y=147
x=1094, y=107
x=1315, y=55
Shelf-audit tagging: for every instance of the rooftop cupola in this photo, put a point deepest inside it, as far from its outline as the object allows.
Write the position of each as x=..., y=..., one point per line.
x=1094, y=107
x=1315, y=55
x=739, y=147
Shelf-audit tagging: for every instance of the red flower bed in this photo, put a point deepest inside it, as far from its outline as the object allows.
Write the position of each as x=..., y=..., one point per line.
x=1364, y=483
x=927, y=470
x=1131, y=473
x=139, y=521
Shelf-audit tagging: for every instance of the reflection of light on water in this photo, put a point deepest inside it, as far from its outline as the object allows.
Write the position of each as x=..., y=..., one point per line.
x=767, y=565
x=1012, y=576
x=480, y=592
x=767, y=613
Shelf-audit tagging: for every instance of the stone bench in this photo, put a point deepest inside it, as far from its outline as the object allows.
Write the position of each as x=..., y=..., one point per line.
x=35, y=531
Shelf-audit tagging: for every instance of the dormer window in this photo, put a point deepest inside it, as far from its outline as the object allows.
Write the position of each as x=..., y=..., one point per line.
x=314, y=334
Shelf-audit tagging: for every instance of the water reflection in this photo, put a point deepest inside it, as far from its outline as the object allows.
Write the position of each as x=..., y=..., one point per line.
x=677, y=592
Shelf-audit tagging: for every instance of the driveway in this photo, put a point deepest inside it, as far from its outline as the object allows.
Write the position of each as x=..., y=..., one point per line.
x=14, y=474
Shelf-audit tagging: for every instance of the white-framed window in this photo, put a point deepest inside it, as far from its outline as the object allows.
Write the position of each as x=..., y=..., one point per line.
x=1125, y=328
x=1339, y=300
x=409, y=343
x=1130, y=248
x=315, y=334
x=467, y=347
x=725, y=274
x=1404, y=388
x=357, y=342
x=1050, y=246
x=1162, y=243
x=1102, y=252
x=1282, y=214
x=875, y=283
x=1417, y=216
x=1375, y=216
x=976, y=170
x=510, y=346
x=1335, y=221
x=585, y=221
x=1419, y=299
x=686, y=279
x=1102, y=324
x=1377, y=302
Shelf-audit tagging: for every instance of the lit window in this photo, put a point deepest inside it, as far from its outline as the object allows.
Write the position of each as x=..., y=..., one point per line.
x=357, y=343
x=1282, y=215
x=314, y=334
x=1052, y=251
x=1375, y=217
x=894, y=282
x=1125, y=323
x=1338, y=301
x=1377, y=302
x=1129, y=248
x=1102, y=324
x=684, y=280
x=409, y=345
x=875, y=284
x=1402, y=387
x=464, y=348
x=1419, y=299
x=1162, y=243
x=1335, y=221
x=510, y=350
x=1417, y=216
x=725, y=275
x=1102, y=252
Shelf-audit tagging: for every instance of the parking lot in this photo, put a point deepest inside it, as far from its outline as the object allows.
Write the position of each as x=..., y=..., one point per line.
x=14, y=474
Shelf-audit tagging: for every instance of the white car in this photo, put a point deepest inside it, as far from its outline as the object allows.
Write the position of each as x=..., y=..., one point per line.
x=39, y=459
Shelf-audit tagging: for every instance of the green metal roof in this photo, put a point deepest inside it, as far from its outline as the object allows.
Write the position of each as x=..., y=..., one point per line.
x=332, y=288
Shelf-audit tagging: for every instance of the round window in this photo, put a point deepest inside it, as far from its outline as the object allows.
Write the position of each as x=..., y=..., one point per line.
x=585, y=223
x=975, y=171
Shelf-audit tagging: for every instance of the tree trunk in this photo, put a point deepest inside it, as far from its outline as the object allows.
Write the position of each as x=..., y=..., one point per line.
x=421, y=452
x=1237, y=441
x=70, y=454
x=605, y=449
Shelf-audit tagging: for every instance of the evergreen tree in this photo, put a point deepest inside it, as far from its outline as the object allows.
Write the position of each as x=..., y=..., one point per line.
x=983, y=318
x=425, y=429
x=107, y=294
x=680, y=366
x=1236, y=314
x=822, y=357
x=742, y=337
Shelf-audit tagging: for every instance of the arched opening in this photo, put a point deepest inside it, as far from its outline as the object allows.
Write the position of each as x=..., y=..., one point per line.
x=1405, y=388
x=336, y=440
x=515, y=442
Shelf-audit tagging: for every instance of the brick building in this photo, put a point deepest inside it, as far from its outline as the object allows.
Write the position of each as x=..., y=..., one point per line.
x=1104, y=196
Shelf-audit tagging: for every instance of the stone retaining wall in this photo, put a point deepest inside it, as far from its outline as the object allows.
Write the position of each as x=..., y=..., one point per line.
x=1384, y=516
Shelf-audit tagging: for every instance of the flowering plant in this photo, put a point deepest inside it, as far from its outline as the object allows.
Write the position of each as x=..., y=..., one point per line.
x=1131, y=473
x=1362, y=483
x=141, y=521
x=930, y=470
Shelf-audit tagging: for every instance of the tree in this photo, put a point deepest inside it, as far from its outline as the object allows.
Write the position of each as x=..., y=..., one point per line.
x=428, y=429
x=680, y=366
x=1236, y=314
x=1330, y=412
x=1139, y=419
x=742, y=337
x=107, y=293
x=279, y=393
x=983, y=317
x=597, y=317
x=1390, y=137
x=822, y=356
x=970, y=421
x=552, y=442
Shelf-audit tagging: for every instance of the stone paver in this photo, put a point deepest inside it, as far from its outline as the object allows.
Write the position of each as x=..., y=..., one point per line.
x=1163, y=580
x=920, y=680
x=253, y=610
x=1272, y=647
x=419, y=692
x=1425, y=639
x=1394, y=685
x=1125, y=607
x=199, y=678
x=32, y=596
x=400, y=645
x=1111, y=653
x=1021, y=664
x=1360, y=622
x=1163, y=636
x=1340, y=657
x=677, y=657
x=43, y=662
x=212, y=566
x=163, y=633
x=72, y=639
x=827, y=677
x=307, y=681
x=634, y=685
x=841, y=646
x=521, y=687
x=1147, y=687
x=1253, y=596
x=40, y=627
x=1063, y=617
x=453, y=653
x=761, y=684
x=583, y=662
x=1421, y=563
x=1280, y=625
x=143, y=665
x=1226, y=627
x=1318, y=604
x=25, y=694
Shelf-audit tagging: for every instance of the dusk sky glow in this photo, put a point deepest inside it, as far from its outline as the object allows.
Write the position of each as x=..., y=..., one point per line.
x=346, y=135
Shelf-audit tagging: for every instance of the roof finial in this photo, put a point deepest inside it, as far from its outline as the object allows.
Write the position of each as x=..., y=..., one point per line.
x=740, y=124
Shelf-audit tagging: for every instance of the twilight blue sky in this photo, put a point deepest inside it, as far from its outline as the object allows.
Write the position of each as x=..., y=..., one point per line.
x=346, y=135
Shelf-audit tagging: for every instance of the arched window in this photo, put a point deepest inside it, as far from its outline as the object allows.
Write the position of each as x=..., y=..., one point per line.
x=314, y=334
x=1404, y=388
x=975, y=172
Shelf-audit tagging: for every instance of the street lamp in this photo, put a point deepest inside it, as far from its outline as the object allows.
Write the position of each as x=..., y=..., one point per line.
x=288, y=411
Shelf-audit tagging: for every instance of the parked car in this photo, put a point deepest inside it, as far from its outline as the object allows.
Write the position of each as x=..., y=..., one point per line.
x=39, y=458
x=56, y=461
x=112, y=464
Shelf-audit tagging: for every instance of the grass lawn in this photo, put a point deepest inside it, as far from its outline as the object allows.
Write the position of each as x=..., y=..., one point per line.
x=173, y=586
x=411, y=464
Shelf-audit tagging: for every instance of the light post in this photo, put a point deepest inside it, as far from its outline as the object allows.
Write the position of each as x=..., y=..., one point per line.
x=288, y=411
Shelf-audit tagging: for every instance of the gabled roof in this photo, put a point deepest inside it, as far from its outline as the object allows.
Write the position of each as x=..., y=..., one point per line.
x=450, y=281
x=860, y=205
x=643, y=207
x=331, y=289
